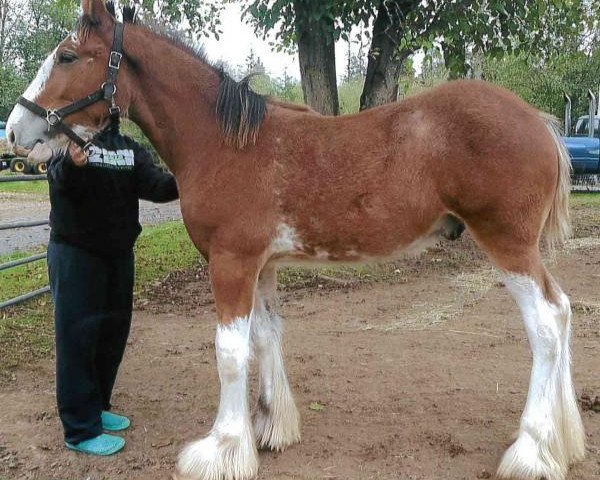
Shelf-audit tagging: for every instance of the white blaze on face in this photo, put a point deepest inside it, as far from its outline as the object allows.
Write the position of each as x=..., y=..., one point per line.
x=29, y=128
x=36, y=87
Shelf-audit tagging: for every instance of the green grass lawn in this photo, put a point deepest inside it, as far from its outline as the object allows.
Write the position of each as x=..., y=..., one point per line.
x=585, y=199
x=39, y=187
x=162, y=249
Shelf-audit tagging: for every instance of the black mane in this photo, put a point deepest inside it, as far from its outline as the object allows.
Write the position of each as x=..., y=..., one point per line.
x=240, y=111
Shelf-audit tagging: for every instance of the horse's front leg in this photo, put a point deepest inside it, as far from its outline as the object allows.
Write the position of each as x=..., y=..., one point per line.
x=229, y=450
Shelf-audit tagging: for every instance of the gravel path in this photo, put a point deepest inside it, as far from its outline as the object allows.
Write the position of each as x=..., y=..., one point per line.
x=17, y=207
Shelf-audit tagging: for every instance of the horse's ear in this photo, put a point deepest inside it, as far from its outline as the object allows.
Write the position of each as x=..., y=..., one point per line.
x=95, y=10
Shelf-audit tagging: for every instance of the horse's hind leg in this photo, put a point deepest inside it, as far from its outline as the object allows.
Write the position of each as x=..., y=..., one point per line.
x=551, y=432
x=276, y=418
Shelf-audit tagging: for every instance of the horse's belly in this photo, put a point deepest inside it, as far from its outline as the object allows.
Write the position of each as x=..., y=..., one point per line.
x=291, y=247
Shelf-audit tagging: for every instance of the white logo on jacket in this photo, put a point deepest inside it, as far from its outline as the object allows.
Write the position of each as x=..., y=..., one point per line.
x=115, y=159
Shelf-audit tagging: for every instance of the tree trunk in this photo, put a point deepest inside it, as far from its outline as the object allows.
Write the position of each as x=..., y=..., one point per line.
x=385, y=62
x=316, y=52
x=3, y=18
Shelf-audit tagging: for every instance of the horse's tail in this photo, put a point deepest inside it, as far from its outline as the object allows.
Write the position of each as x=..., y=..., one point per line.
x=557, y=228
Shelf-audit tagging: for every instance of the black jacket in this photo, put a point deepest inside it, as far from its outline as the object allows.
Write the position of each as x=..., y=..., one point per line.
x=96, y=206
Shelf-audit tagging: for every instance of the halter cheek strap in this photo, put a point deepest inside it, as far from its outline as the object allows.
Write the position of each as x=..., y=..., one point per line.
x=108, y=90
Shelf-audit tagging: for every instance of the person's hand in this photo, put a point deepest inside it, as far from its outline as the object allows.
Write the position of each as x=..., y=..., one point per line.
x=41, y=153
x=21, y=151
x=78, y=156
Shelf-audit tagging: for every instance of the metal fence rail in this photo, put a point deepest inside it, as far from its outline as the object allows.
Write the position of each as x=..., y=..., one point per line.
x=22, y=178
x=26, y=260
x=21, y=261
x=32, y=223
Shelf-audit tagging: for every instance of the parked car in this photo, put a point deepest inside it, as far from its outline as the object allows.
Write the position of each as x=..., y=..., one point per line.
x=584, y=143
x=2, y=130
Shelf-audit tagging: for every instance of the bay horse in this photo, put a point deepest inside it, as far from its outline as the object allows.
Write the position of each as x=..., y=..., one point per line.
x=264, y=183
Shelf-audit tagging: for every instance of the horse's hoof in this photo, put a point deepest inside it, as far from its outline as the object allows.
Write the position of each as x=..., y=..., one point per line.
x=219, y=457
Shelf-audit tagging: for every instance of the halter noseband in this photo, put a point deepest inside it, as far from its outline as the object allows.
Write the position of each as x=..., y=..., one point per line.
x=107, y=92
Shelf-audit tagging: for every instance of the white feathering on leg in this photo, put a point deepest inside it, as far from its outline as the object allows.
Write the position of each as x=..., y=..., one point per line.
x=276, y=419
x=551, y=435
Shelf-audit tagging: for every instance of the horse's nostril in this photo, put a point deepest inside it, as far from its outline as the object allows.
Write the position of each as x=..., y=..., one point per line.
x=11, y=137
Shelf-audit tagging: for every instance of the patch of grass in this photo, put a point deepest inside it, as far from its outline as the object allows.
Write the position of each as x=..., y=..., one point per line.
x=585, y=199
x=26, y=337
x=349, y=95
x=38, y=187
x=160, y=250
x=19, y=280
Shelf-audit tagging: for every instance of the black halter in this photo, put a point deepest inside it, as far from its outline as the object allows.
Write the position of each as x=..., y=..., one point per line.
x=106, y=92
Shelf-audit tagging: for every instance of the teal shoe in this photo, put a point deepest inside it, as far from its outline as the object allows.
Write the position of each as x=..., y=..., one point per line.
x=114, y=423
x=102, y=445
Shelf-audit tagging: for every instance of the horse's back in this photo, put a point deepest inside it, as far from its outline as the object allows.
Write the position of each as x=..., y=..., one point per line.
x=378, y=181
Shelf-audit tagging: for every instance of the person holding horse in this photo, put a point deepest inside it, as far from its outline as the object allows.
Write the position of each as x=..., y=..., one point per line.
x=94, y=225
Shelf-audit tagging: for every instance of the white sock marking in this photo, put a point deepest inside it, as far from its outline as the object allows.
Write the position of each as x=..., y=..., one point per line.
x=229, y=451
x=545, y=447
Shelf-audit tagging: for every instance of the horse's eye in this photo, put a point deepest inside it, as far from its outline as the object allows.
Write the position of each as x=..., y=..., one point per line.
x=67, y=57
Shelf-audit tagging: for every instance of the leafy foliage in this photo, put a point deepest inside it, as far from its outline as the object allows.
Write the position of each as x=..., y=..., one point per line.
x=284, y=16
x=35, y=28
x=198, y=17
x=542, y=82
x=11, y=86
x=494, y=27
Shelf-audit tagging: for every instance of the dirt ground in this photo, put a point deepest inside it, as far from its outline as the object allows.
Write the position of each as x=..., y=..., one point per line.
x=411, y=377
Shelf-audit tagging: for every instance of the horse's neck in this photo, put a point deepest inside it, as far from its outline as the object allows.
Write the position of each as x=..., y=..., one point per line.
x=174, y=97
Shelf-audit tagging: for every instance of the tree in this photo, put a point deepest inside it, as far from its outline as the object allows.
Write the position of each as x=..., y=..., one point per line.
x=315, y=36
x=9, y=15
x=542, y=77
x=401, y=27
x=385, y=60
x=459, y=28
x=313, y=27
x=11, y=86
x=29, y=30
x=43, y=27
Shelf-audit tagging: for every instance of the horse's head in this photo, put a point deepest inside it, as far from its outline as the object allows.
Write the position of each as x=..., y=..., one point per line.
x=75, y=69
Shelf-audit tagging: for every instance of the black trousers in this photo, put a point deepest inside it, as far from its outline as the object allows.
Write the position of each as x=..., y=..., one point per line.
x=92, y=297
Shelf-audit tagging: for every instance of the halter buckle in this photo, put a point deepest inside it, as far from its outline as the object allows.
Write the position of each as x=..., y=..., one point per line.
x=53, y=118
x=114, y=111
x=87, y=148
x=114, y=60
x=107, y=93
